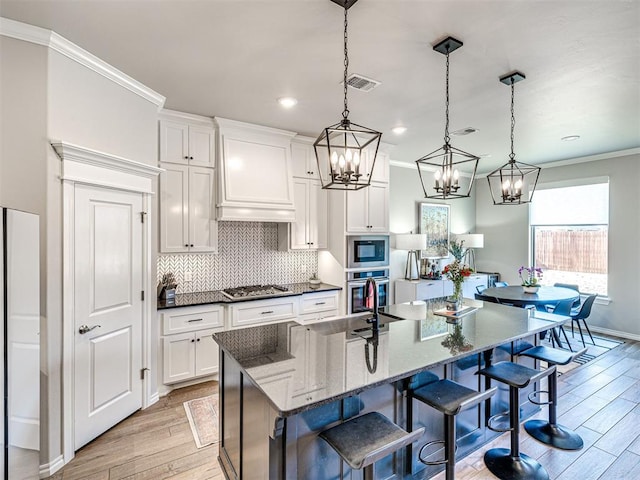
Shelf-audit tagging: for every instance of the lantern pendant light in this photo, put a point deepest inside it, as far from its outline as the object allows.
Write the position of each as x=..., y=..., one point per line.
x=345, y=150
x=514, y=182
x=447, y=160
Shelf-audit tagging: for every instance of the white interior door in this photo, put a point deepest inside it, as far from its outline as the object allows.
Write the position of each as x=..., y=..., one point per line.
x=107, y=290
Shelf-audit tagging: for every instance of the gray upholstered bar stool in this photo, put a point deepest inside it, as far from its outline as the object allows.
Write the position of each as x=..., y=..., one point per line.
x=449, y=398
x=511, y=464
x=363, y=440
x=549, y=432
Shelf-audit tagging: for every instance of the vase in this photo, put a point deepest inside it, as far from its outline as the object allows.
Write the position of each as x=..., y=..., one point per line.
x=530, y=289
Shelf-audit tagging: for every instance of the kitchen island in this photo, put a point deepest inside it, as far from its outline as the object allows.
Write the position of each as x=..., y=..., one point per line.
x=282, y=384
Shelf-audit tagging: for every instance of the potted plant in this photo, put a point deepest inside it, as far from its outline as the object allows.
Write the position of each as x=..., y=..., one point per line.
x=314, y=281
x=530, y=277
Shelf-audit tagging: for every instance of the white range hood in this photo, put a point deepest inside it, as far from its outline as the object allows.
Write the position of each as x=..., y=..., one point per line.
x=255, y=176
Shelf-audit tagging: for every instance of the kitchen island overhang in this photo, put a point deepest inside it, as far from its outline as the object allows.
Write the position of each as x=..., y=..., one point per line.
x=280, y=385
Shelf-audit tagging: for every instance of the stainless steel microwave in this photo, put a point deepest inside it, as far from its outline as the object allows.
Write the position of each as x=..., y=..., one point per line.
x=367, y=251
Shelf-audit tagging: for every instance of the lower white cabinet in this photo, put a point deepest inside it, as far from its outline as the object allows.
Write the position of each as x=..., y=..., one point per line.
x=188, y=348
x=411, y=290
x=316, y=306
x=256, y=312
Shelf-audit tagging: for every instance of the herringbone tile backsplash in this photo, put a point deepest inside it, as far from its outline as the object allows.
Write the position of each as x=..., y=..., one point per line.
x=247, y=255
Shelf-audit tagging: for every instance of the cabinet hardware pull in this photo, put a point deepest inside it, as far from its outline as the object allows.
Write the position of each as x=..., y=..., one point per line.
x=186, y=245
x=194, y=320
x=268, y=311
x=320, y=303
x=198, y=340
x=191, y=245
x=193, y=341
x=186, y=157
x=190, y=158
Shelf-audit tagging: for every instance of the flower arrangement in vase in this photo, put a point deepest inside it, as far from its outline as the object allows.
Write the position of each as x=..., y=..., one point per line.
x=530, y=277
x=456, y=271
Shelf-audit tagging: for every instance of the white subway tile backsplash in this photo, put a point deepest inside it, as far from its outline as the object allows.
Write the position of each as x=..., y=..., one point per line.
x=247, y=255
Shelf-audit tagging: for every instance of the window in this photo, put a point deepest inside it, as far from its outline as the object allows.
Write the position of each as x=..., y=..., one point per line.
x=569, y=234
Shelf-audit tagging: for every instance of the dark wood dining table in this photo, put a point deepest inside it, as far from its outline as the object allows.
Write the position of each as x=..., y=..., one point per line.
x=515, y=295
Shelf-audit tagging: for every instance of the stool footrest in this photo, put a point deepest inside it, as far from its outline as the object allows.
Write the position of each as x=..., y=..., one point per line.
x=491, y=420
x=532, y=395
x=429, y=444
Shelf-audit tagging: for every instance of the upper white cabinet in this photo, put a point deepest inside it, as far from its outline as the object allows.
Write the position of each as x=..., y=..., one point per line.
x=368, y=209
x=303, y=158
x=309, y=230
x=380, y=168
x=187, y=212
x=187, y=139
x=255, y=173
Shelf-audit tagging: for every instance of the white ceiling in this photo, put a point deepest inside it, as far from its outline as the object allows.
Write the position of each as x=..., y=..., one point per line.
x=234, y=58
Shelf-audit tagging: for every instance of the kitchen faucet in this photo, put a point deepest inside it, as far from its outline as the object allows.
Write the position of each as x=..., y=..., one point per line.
x=371, y=299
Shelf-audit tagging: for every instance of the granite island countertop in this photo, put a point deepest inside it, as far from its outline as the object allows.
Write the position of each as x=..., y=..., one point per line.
x=326, y=360
x=216, y=296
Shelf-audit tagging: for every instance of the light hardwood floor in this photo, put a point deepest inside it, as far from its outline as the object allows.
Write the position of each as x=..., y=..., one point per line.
x=600, y=400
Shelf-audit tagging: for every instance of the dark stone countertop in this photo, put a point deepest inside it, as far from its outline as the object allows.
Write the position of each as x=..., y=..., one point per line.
x=326, y=360
x=216, y=296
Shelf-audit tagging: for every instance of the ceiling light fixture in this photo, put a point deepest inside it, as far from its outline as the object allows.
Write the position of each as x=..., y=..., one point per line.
x=399, y=130
x=341, y=148
x=570, y=138
x=287, y=102
x=514, y=182
x=447, y=159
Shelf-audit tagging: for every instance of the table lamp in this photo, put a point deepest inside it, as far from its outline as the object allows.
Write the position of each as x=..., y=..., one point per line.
x=413, y=242
x=471, y=241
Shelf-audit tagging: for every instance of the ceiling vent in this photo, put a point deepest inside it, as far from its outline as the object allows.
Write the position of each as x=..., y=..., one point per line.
x=361, y=83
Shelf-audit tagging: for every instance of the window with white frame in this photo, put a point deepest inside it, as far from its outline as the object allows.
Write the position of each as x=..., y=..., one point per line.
x=569, y=234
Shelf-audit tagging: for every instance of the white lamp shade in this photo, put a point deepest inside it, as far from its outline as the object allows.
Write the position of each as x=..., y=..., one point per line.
x=411, y=241
x=471, y=240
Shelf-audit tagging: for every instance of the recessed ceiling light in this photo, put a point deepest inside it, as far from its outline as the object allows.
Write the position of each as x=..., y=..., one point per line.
x=399, y=130
x=287, y=102
x=464, y=131
x=570, y=138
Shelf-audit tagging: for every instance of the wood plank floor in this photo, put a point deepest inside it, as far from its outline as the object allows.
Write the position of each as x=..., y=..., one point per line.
x=600, y=400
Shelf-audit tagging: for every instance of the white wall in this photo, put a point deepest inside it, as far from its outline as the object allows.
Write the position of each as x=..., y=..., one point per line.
x=405, y=194
x=507, y=236
x=48, y=96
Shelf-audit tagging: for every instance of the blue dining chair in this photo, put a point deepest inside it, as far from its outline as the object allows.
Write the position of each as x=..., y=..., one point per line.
x=582, y=314
x=563, y=307
x=480, y=288
x=501, y=284
x=576, y=303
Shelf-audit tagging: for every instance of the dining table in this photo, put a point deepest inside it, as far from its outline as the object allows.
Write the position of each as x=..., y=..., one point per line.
x=545, y=296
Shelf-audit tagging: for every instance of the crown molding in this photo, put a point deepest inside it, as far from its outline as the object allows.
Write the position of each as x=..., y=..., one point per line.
x=50, y=39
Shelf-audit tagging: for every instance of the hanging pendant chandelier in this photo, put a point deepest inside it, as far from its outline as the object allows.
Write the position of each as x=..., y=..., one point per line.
x=446, y=161
x=346, y=152
x=514, y=182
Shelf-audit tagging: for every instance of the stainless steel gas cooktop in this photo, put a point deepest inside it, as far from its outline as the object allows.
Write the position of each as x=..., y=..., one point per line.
x=255, y=291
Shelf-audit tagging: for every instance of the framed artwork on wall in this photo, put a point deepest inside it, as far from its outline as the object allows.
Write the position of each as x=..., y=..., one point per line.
x=434, y=223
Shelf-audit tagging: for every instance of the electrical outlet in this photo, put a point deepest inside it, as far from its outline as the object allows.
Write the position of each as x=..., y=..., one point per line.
x=188, y=276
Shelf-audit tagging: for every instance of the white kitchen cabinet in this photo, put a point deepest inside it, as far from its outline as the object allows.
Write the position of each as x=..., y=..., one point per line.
x=303, y=159
x=471, y=282
x=317, y=305
x=411, y=290
x=263, y=311
x=255, y=173
x=368, y=209
x=187, y=211
x=380, y=169
x=309, y=230
x=188, y=348
x=186, y=139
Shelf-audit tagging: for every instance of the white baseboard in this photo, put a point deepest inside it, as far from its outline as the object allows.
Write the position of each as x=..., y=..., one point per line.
x=163, y=389
x=52, y=467
x=154, y=398
x=615, y=333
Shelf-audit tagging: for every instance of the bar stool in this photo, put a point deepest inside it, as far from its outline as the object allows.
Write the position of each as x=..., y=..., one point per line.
x=363, y=440
x=449, y=398
x=511, y=464
x=549, y=432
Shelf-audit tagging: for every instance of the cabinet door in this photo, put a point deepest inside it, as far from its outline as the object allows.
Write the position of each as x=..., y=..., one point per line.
x=470, y=284
x=380, y=171
x=303, y=161
x=174, y=206
x=378, y=208
x=357, y=211
x=203, y=233
x=299, y=231
x=201, y=146
x=178, y=357
x=318, y=205
x=206, y=354
x=174, y=146
x=429, y=289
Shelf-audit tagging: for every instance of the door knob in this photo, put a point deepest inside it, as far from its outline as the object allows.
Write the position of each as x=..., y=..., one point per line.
x=85, y=329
